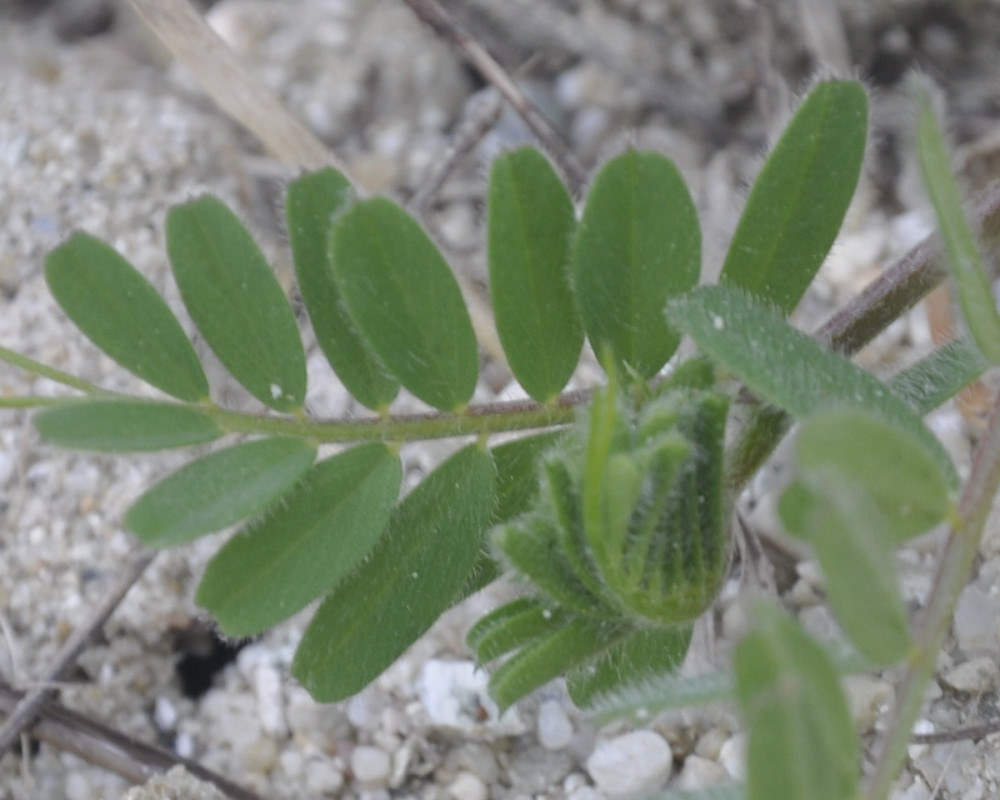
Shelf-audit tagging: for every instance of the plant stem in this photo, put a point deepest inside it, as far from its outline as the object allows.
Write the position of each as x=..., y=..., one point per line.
x=960, y=551
x=477, y=420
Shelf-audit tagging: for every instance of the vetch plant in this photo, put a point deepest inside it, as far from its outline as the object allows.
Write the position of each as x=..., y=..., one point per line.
x=614, y=509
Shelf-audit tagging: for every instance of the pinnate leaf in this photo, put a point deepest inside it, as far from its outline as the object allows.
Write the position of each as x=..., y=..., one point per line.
x=124, y=425
x=802, y=743
x=121, y=312
x=531, y=222
x=798, y=202
x=406, y=302
x=236, y=302
x=313, y=202
x=637, y=245
x=787, y=367
x=971, y=281
x=218, y=490
x=410, y=578
x=326, y=525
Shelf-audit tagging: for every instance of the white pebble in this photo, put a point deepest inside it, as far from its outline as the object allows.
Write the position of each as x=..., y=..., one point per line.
x=467, y=786
x=733, y=756
x=322, y=778
x=371, y=766
x=699, y=773
x=554, y=728
x=585, y=793
x=632, y=764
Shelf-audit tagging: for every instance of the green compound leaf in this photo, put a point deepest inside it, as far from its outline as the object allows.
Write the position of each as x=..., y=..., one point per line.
x=787, y=367
x=887, y=463
x=642, y=656
x=530, y=228
x=410, y=578
x=236, y=302
x=638, y=245
x=313, y=202
x=974, y=291
x=218, y=490
x=405, y=301
x=121, y=312
x=798, y=202
x=321, y=531
x=848, y=531
x=802, y=742
x=572, y=645
x=512, y=626
x=122, y=426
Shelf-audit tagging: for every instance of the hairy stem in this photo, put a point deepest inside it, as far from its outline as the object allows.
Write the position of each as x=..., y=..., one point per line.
x=485, y=419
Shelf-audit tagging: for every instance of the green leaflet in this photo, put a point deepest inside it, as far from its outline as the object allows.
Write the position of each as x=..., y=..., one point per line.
x=410, y=578
x=517, y=473
x=121, y=312
x=125, y=425
x=513, y=626
x=218, y=490
x=802, y=743
x=642, y=656
x=323, y=529
x=532, y=546
x=236, y=302
x=312, y=203
x=637, y=245
x=974, y=291
x=940, y=376
x=550, y=656
x=530, y=228
x=798, y=202
x=848, y=531
x=405, y=302
x=749, y=338
x=885, y=462
x=639, y=701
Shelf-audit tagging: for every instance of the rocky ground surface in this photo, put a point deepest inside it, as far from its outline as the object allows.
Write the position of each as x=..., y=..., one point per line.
x=100, y=131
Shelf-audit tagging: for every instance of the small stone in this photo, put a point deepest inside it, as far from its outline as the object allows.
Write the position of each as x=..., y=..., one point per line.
x=632, y=764
x=976, y=617
x=868, y=698
x=467, y=786
x=733, y=756
x=974, y=676
x=554, y=728
x=710, y=744
x=533, y=770
x=585, y=793
x=371, y=766
x=699, y=773
x=323, y=777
